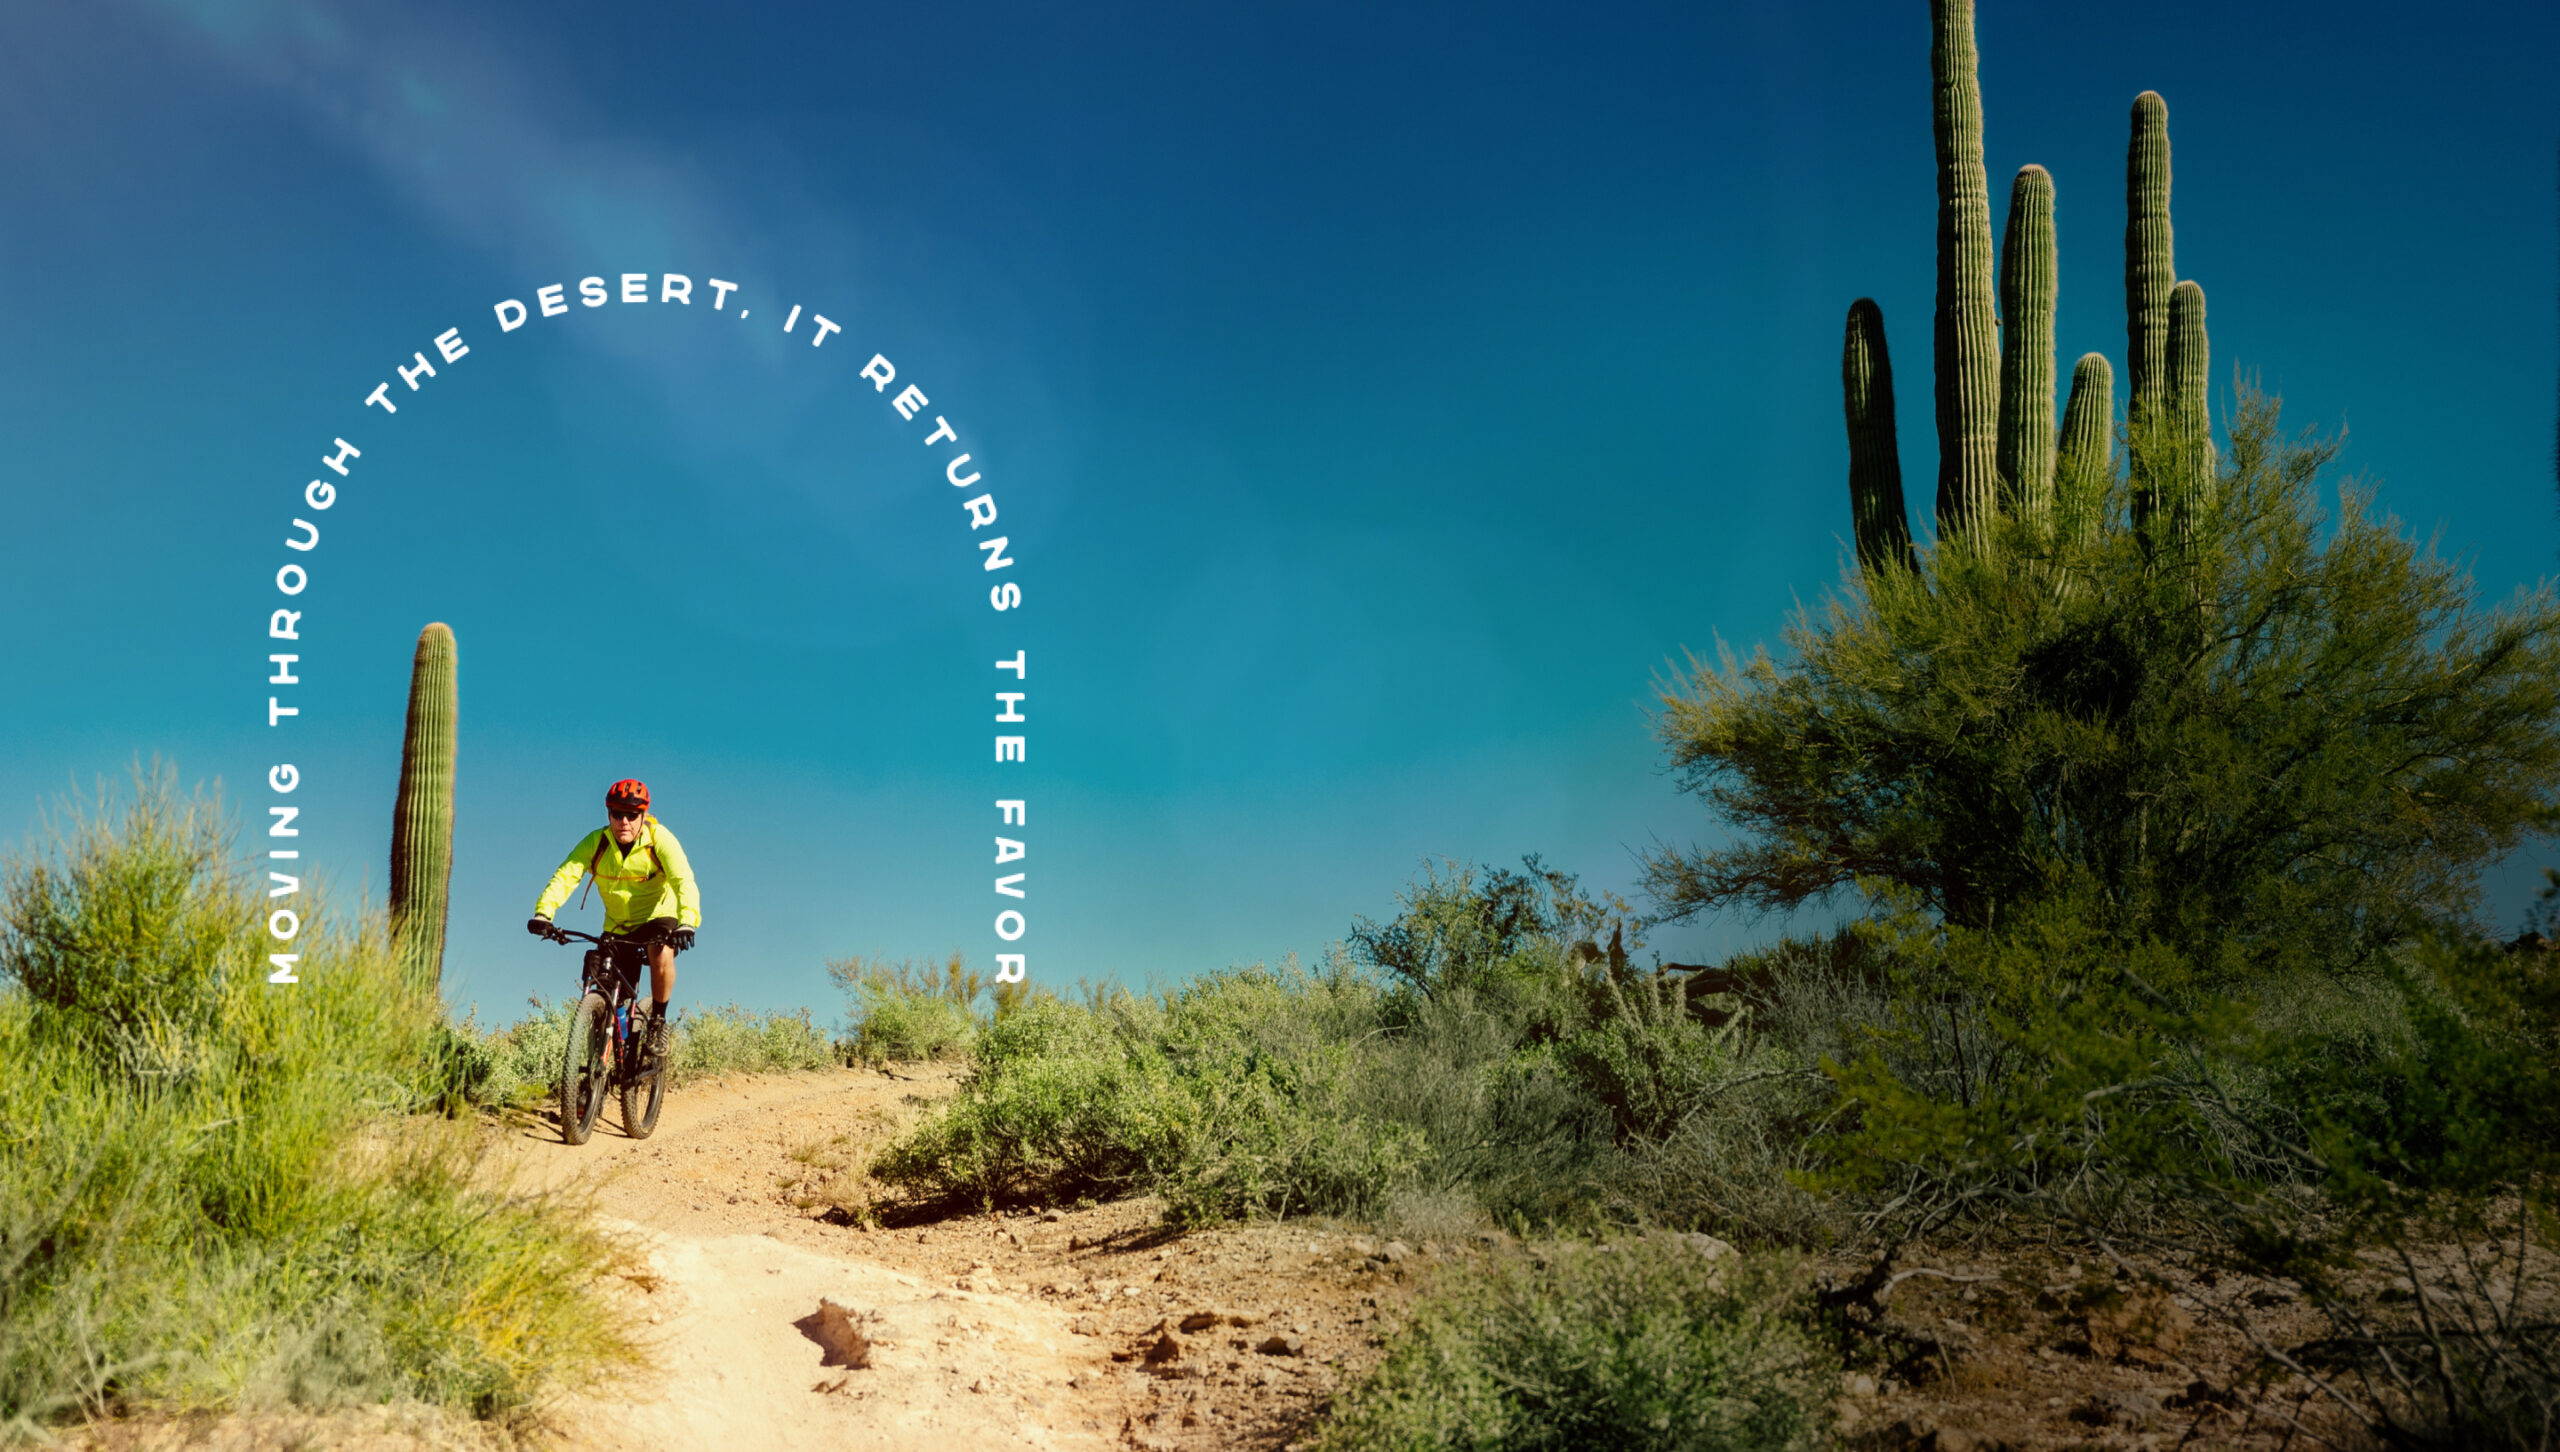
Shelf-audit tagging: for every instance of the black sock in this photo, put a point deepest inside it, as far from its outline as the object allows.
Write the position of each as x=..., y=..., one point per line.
x=658, y=1006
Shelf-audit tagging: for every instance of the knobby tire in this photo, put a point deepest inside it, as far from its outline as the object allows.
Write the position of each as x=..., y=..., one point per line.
x=639, y=1090
x=582, y=1076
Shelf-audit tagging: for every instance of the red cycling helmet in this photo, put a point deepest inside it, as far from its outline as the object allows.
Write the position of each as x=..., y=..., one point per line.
x=627, y=795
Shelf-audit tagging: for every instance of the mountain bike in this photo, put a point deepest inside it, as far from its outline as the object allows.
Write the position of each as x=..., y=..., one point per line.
x=603, y=1051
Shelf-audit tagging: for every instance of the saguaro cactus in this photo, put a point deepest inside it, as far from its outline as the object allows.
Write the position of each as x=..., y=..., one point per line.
x=2186, y=418
x=422, y=815
x=1875, y=463
x=2027, y=289
x=1994, y=386
x=1967, y=355
x=2150, y=274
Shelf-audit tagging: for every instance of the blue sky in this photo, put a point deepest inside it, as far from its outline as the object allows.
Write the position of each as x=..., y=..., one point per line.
x=1376, y=401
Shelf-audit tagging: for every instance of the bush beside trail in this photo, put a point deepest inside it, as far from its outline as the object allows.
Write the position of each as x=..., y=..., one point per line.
x=913, y=1011
x=1480, y=1060
x=211, y=1194
x=1637, y=1342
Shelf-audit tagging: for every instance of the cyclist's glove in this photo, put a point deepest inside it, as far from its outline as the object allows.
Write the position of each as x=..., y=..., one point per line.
x=540, y=927
x=681, y=940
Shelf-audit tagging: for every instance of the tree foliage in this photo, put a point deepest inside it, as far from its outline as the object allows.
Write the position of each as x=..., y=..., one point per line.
x=2268, y=741
x=2168, y=837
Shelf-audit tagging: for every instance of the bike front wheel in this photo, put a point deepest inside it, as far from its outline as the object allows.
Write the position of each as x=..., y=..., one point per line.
x=582, y=1073
x=641, y=1095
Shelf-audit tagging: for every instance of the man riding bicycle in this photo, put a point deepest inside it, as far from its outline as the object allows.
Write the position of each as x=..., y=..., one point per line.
x=650, y=895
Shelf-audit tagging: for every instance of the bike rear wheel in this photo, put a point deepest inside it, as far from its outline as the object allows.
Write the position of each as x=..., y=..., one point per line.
x=582, y=1076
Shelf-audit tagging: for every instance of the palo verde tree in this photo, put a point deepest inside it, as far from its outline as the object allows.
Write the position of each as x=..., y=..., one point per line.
x=2290, y=742
x=2171, y=689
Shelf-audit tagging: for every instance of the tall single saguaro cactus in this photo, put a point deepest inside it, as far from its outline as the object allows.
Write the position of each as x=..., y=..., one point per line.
x=422, y=815
x=2027, y=289
x=1967, y=355
x=1875, y=463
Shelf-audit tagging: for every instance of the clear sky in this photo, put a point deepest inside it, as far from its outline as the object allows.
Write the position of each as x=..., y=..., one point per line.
x=1376, y=399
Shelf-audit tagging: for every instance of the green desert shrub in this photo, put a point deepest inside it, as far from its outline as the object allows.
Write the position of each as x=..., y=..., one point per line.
x=1060, y=1103
x=1240, y=1093
x=727, y=1039
x=1710, y=1125
x=1640, y=1342
x=907, y=1010
x=2434, y=1157
x=2143, y=829
x=210, y=1194
x=1486, y=1063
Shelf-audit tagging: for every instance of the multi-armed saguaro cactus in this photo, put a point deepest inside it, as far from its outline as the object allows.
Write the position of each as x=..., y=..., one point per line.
x=1997, y=446
x=422, y=816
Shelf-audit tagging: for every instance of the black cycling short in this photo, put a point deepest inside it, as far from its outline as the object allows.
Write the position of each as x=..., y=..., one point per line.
x=630, y=948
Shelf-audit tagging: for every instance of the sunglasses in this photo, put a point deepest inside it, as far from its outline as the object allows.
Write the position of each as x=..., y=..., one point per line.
x=622, y=816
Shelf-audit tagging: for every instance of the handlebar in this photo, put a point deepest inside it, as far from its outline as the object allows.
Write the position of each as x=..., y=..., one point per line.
x=560, y=934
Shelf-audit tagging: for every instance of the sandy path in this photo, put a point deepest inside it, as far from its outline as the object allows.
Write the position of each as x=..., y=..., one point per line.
x=738, y=1271
x=997, y=1331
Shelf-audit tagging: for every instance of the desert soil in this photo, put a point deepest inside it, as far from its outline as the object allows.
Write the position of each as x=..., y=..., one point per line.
x=1065, y=1329
x=985, y=1331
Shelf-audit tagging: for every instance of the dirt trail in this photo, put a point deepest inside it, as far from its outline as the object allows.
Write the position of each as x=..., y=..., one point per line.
x=993, y=1332
x=738, y=1274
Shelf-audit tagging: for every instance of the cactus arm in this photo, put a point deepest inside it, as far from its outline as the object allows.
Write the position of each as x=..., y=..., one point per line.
x=2150, y=272
x=422, y=814
x=2027, y=290
x=2186, y=408
x=1875, y=464
x=1967, y=343
x=2086, y=456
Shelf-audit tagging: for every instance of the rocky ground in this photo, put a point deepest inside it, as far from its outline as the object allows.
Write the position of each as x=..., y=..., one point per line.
x=784, y=1316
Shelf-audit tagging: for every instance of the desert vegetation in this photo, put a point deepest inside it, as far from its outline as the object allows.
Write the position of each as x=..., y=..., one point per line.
x=218, y=1195
x=2143, y=808
x=2149, y=801
x=2154, y=871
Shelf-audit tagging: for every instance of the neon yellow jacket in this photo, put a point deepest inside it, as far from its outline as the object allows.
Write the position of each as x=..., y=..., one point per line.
x=651, y=880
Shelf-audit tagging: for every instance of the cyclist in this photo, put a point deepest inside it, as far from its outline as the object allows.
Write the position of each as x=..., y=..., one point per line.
x=650, y=894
